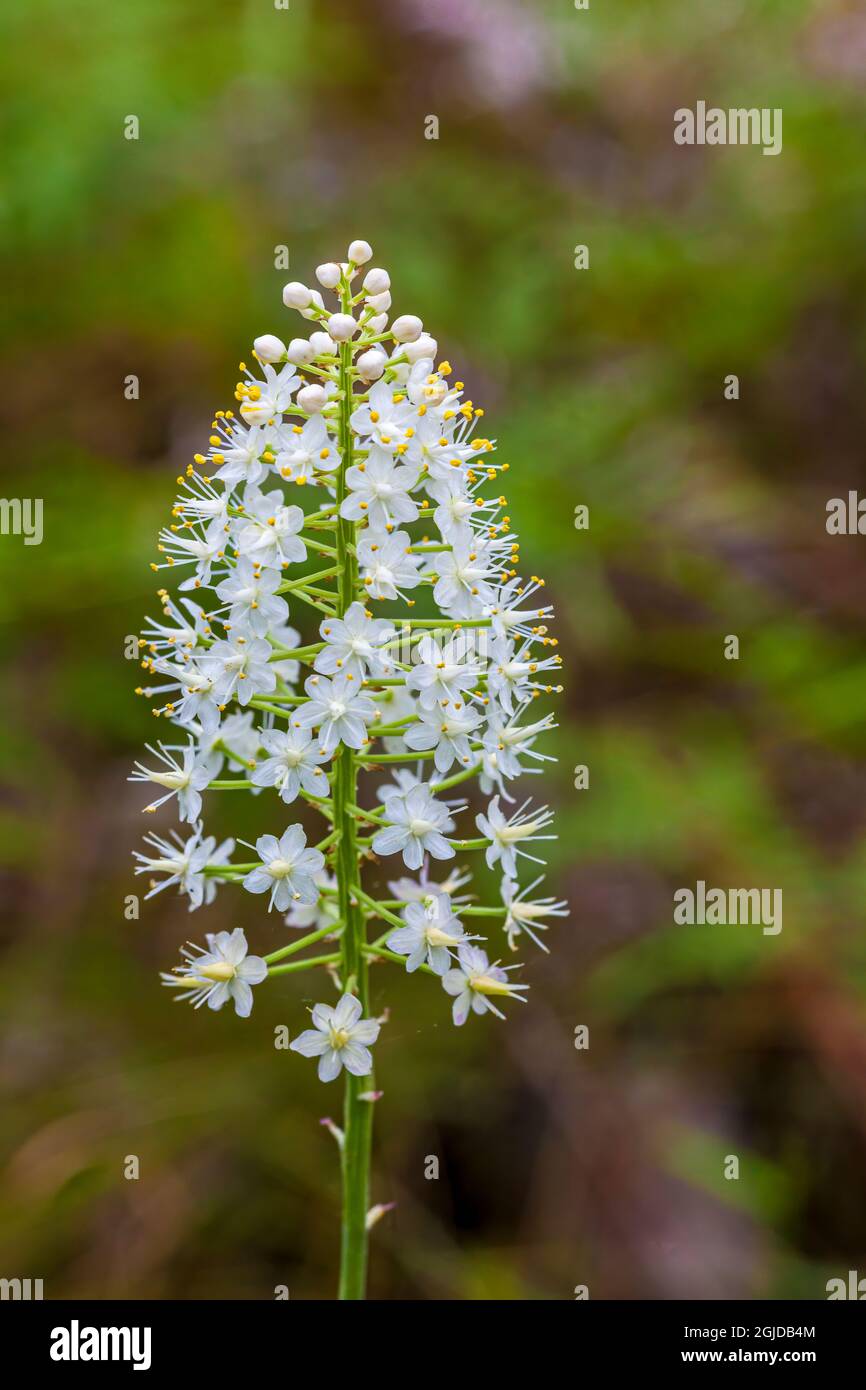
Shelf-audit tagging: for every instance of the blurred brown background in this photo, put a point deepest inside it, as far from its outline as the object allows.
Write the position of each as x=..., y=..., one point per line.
x=305, y=127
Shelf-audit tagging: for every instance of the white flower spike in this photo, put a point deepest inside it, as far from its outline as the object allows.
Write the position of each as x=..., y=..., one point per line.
x=351, y=635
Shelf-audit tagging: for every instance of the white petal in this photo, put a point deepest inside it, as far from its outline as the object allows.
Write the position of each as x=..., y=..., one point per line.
x=330, y=1064
x=312, y=1043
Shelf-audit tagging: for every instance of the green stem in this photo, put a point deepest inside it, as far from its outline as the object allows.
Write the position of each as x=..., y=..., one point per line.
x=303, y=964
x=358, y=1114
x=309, y=940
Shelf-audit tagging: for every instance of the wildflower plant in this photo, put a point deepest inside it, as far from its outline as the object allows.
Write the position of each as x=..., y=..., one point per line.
x=351, y=491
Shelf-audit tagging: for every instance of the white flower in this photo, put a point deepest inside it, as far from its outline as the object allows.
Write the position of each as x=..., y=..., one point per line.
x=422, y=348
x=464, y=586
x=431, y=933
x=328, y=275
x=506, y=741
x=406, y=328
x=353, y=643
x=417, y=824
x=508, y=615
x=183, y=863
x=371, y=364
x=342, y=327
x=404, y=779
x=360, y=252
x=510, y=675
x=251, y=595
x=184, y=634
x=192, y=548
x=323, y=344
x=442, y=673
x=376, y=281
x=388, y=567
x=525, y=915
x=315, y=916
x=386, y=418
x=379, y=303
x=338, y=709
x=301, y=351
x=296, y=295
x=312, y=399
x=241, y=668
x=432, y=447
x=266, y=400
x=237, y=456
x=288, y=870
x=339, y=1038
x=506, y=835
x=235, y=740
x=268, y=348
x=195, y=685
x=269, y=535
x=379, y=490
x=315, y=308
x=445, y=730
x=185, y=779
x=306, y=449
x=474, y=983
x=406, y=890
x=224, y=971
x=293, y=764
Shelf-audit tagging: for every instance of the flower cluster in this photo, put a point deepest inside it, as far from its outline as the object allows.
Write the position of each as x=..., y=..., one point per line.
x=350, y=486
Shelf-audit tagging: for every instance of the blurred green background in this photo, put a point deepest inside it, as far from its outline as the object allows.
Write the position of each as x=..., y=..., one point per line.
x=305, y=127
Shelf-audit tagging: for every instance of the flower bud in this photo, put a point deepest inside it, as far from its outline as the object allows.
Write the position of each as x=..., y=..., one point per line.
x=342, y=327
x=301, y=351
x=315, y=302
x=323, y=343
x=377, y=324
x=425, y=346
x=312, y=399
x=296, y=295
x=407, y=328
x=360, y=252
x=379, y=302
x=377, y=281
x=269, y=348
x=328, y=275
x=371, y=364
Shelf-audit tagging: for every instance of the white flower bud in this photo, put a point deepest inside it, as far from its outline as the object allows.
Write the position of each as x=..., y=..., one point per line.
x=316, y=302
x=407, y=328
x=425, y=346
x=323, y=343
x=269, y=348
x=312, y=399
x=296, y=295
x=342, y=327
x=301, y=351
x=328, y=275
x=377, y=324
x=377, y=281
x=379, y=302
x=360, y=252
x=371, y=364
